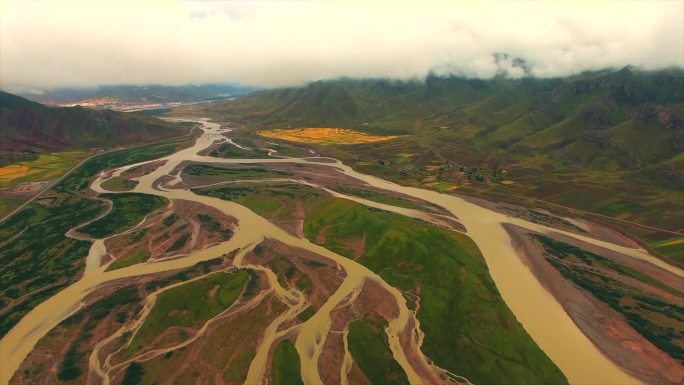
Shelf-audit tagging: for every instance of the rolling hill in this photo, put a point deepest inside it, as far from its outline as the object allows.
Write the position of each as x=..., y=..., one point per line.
x=30, y=126
x=609, y=120
x=609, y=142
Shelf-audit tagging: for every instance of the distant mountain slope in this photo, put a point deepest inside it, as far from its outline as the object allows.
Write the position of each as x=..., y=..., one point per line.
x=129, y=96
x=30, y=126
x=608, y=120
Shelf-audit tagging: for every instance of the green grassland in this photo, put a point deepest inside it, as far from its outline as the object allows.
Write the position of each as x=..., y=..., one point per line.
x=127, y=211
x=78, y=180
x=237, y=371
x=608, y=141
x=286, y=364
x=7, y=205
x=469, y=330
x=46, y=166
x=119, y=184
x=133, y=375
x=369, y=347
x=287, y=149
x=273, y=200
x=659, y=320
x=672, y=247
x=36, y=259
x=190, y=305
x=133, y=257
x=228, y=150
x=267, y=199
x=306, y=314
x=232, y=173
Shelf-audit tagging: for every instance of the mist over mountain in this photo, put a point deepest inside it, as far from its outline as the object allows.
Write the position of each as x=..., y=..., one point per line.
x=274, y=44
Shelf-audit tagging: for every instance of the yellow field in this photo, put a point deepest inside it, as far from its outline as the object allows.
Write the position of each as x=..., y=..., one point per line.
x=324, y=136
x=44, y=167
x=13, y=171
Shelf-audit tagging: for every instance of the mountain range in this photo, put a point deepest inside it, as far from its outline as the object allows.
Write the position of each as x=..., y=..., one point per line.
x=612, y=120
x=609, y=142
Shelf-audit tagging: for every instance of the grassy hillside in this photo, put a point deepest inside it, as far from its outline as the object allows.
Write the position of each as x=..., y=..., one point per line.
x=30, y=126
x=595, y=141
x=607, y=120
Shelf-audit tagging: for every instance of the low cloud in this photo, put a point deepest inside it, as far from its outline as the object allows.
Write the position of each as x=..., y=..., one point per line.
x=56, y=44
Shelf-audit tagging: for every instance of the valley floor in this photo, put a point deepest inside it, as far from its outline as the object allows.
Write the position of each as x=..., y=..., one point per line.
x=228, y=263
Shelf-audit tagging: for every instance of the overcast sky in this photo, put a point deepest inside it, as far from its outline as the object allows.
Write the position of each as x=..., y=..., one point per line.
x=85, y=43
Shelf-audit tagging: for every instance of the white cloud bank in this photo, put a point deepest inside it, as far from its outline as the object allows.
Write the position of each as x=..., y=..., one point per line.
x=46, y=44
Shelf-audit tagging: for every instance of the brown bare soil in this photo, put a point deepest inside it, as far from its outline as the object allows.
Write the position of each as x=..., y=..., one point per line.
x=330, y=361
x=53, y=348
x=610, y=235
x=325, y=276
x=357, y=377
x=607, y=329
x=293, y=226
x=24, y=190
x=158, y=238
x=356, y=247
x=43, y=363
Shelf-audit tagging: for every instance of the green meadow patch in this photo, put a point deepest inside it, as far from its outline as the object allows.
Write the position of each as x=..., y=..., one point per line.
x=370, y=349
x=286, y=364
x=128, y=210
x=190, y=305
